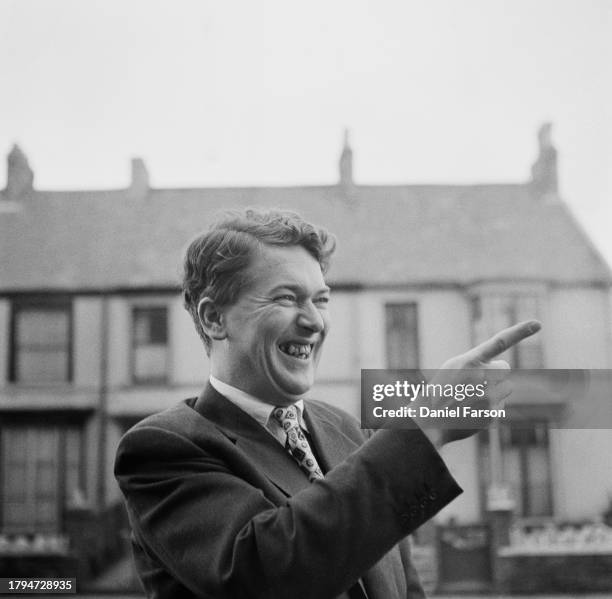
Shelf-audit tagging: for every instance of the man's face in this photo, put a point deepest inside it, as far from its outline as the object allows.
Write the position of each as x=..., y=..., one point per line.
x=276, y=328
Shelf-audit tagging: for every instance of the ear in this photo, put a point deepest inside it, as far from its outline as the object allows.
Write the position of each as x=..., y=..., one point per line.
x=211, y=318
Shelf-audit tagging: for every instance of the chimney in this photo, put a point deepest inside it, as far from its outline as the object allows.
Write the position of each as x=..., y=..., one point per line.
x=346, y=162
x=139, y=184
x=19, y=177
x=544, y=170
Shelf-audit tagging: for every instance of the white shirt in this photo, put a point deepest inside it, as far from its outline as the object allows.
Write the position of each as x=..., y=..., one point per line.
x=259, y=410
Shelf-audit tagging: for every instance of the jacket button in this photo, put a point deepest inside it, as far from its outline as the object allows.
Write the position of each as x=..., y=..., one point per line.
x=406, y=519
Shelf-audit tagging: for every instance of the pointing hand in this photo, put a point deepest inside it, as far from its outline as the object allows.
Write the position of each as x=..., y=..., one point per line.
x=471, y=368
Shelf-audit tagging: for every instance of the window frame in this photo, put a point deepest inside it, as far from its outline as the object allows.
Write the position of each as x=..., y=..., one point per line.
x=40, y=303
x=525, y=498
x=417, y=336
x=63, y=425
x=156, y=380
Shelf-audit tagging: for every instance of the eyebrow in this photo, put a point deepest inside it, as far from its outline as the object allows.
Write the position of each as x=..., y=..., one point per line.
x=296, y=287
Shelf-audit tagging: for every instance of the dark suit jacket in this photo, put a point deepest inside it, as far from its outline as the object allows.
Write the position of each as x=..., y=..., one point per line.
x=219, y=509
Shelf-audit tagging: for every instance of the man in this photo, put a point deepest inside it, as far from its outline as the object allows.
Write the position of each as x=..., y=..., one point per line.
x=251, y=490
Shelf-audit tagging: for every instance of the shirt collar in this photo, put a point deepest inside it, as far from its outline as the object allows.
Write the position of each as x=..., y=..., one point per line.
x=256, y=408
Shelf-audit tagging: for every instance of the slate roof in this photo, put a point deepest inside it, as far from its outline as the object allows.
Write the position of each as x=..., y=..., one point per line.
x=387, y=235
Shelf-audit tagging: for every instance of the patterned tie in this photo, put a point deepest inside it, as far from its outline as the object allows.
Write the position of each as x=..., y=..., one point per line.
x=297, y=444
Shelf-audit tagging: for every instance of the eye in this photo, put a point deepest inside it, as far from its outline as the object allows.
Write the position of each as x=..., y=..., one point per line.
x=287, y=297
x=322, y=300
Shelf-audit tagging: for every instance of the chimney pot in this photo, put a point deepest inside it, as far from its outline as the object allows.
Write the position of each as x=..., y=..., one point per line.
x=140, y=177
x=544, y=178
x=346, y=162
x=19, y=177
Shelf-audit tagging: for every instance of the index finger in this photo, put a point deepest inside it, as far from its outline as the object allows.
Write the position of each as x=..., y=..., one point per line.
x=503, y=340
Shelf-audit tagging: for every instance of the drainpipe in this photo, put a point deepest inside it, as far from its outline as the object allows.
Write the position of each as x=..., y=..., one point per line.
x=103, y=406
x=500, y=507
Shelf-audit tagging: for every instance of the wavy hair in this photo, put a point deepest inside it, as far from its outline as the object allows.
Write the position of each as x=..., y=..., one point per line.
x=216, y=261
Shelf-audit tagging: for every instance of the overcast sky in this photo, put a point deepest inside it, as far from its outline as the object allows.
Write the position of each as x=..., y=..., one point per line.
x=259, y=92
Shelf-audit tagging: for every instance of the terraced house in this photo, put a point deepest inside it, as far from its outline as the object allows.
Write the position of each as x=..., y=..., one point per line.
x=93, y=335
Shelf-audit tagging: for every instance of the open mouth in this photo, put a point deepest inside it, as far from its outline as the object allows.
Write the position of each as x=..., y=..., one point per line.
x=297, y=350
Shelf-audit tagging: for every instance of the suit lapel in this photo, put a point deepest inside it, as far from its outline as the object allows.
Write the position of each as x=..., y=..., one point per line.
x=257, y=444
x=331, y=444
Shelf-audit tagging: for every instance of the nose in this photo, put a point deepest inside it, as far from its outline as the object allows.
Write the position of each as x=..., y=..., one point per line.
x=311, y=318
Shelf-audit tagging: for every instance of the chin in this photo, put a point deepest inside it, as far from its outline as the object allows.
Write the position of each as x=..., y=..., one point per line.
x=294, y=388
x=289, y=382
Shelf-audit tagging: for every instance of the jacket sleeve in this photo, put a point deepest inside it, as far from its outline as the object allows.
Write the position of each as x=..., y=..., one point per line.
x=220, y=536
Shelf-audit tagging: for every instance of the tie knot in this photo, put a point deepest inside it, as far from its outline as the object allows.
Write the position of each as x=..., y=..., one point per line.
x=287, y=417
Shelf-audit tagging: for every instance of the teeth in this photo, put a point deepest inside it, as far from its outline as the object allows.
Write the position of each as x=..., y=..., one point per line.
x=296, y=350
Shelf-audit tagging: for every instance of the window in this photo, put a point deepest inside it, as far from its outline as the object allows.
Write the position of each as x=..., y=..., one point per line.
x=492, y=313
x=41, y=472
x=402, y=335
x=41, y=342
x=525, y=466
x=150, y=344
